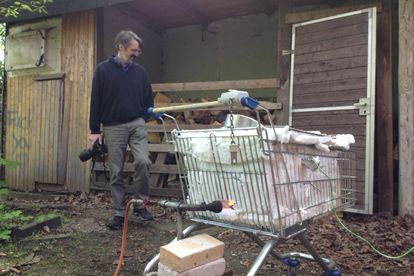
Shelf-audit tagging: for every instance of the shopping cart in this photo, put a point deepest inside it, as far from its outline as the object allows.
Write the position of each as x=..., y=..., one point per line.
x=267, y=185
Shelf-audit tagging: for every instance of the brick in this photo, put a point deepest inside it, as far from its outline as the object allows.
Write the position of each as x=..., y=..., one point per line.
x=191, y=252
x=214, y=268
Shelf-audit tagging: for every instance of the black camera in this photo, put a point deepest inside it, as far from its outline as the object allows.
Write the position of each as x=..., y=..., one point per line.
x=97, y=149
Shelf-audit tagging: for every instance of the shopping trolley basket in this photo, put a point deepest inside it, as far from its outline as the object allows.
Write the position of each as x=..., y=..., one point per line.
x=267, y=185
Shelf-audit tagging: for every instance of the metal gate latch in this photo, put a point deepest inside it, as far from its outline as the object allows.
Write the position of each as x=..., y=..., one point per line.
x=363, y=106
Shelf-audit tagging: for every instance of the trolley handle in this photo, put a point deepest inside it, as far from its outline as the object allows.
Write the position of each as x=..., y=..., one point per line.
x=232, y=97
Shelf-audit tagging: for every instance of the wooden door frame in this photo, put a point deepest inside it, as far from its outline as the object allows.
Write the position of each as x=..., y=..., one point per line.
x=370, y=126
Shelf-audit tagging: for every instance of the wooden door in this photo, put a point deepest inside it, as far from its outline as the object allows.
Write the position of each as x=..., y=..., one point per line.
x=332, y=86
x=49, y=153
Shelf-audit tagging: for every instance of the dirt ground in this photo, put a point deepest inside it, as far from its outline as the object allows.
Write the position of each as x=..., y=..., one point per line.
x=83, y=246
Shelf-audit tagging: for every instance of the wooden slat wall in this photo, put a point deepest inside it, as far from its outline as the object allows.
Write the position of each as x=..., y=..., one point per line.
x=47, y=120
x=331, y=70
x=78, y=62
x=47, y=105
x=340, y=122
x=18, y=132
x=331, y=62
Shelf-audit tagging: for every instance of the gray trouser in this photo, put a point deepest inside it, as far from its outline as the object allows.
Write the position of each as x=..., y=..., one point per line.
x=117, y=138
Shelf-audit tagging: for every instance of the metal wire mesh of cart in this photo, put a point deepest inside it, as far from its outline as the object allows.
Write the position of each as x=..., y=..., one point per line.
x=266, y=187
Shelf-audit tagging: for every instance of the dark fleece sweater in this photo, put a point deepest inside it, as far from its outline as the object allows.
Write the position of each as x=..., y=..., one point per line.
x=119, y=95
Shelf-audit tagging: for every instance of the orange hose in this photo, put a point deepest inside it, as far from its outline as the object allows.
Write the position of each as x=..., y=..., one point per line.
x=123, y=242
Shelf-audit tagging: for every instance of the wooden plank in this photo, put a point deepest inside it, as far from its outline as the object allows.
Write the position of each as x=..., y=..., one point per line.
x=265, y=104
x=329, y=76
x=359, y=50
x=155, y=168
x=339, y=85
x=334, y=98
x=330, y=44
x=161, y=148
x=339, y=118
x=170, y=127
x=64, y=7
x=383, y=125
x=295, y=17
x=57, y=76
x=156, y=180
x=29, y=229
x=216, y=85
x=331, y=65
x=340, y=33
x=406, y=103
x=321, y=27
x=284, y=38
x=166, y=192
x=163, y=192
x=78, y=29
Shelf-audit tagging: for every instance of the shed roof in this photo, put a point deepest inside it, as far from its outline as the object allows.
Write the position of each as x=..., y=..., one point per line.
x=163, y=14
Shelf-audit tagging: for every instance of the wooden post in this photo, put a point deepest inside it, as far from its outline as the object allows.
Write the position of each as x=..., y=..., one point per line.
x=384, y=130
x=284, y=38
x=406, y=104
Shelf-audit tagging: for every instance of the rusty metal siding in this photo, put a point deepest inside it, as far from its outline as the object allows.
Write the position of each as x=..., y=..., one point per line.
x=78, y=62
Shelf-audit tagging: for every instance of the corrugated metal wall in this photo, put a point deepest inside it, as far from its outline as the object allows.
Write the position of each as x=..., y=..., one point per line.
x=47, y=120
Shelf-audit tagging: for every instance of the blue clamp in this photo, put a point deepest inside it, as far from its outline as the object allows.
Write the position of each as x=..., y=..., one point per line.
x=157, y=116
x=334, y=272
x=249, y=102
x=291, y=262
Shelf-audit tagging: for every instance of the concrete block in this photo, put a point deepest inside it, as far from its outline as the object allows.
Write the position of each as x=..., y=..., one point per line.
x=214, y=268
x=191, y=252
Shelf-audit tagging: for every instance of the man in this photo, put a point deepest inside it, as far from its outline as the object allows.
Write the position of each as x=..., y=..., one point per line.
x=121, y=94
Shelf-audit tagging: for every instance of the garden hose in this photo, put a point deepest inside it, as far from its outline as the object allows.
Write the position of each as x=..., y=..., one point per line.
x=355, y=235
x=123, y=241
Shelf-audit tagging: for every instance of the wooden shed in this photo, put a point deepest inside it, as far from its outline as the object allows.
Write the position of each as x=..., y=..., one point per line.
x=320, y=64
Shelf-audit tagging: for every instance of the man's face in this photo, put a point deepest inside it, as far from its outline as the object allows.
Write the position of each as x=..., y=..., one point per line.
x=128, y=54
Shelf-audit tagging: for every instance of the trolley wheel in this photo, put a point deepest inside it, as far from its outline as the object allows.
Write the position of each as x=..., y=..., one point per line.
x=334, y=272
x=292, y=262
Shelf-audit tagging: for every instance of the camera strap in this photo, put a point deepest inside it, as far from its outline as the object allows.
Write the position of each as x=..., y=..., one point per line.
x=103, y=165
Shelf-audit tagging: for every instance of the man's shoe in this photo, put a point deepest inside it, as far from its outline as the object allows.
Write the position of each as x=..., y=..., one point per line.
x=143, y=213
x=115, y=223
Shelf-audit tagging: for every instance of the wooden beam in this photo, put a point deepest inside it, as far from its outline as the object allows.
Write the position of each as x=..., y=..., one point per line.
x=284, y=38
x=193, y=11
x=154, y=168
x=59, y=7
x=140, y=17
x=302, y=16
x=268, y=5
x=216, y=85
x=406, y=103
x=170, y=127
x=46, y=77
x=130, y=189
x=265, y=104
x=383, y=125
x=161, y=148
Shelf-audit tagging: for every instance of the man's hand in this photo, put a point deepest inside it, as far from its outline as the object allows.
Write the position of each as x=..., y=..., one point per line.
x=94, y=137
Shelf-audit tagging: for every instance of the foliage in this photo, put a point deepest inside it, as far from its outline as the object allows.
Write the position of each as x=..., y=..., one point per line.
x=7, y=217
x=11, y=8
x=8, y=220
